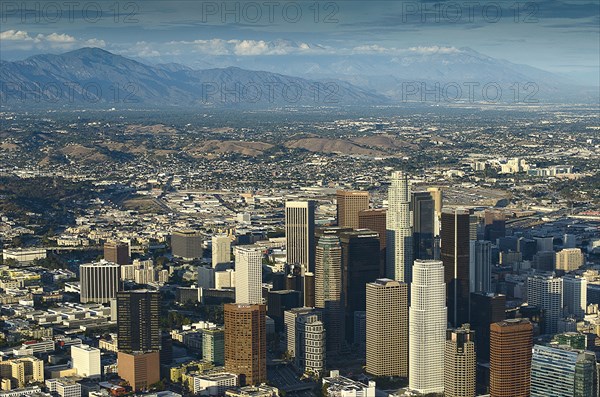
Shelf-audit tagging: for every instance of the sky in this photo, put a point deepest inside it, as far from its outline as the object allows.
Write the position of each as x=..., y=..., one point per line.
x=561, y=36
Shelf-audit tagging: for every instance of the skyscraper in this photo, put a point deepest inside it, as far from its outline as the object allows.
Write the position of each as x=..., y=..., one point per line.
x=300, y=233
x=399, y=245
x=349, y=204
x=574, y=296
x=427, y=327
x=455, y=236
x=328, y=287
x=459, y=363
x=248, y=274
x=290, y=317
x=186, y=244
x=213, y=345
x=486, y=308
x=560, y=371
x=510, y=358
x=116, y=252
x=99, y=281
x=221, y=249
x=360, y=265
x=310, y=343
x=375, y=220
x=437, y=195
x=480, y=263
x=387, y=328
x=546, y=292
x=423, y=210
x=569, y=259
x=246, y=342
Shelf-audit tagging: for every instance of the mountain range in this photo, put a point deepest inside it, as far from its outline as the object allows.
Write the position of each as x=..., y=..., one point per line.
x=92, y=77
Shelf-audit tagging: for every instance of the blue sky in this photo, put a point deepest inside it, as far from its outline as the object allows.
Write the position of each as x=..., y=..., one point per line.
x=560, y=36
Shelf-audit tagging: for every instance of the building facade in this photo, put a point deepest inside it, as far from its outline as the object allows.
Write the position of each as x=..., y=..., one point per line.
x=349, y=204
x=248, y=274
x=460, y=363
x=399, y=244
x=99, y=281
x=300, y=233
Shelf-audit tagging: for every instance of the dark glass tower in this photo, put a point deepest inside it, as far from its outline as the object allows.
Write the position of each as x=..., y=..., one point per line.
x=138, y=314
x=423, y=224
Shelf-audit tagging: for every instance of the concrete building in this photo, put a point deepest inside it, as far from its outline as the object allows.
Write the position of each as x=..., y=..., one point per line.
x=186, y=244
x=460, y=363
x=21, y=371
x=310, y=343
x=574, y=296
x=213, y=384
x=569, y=259
x=387, y=328
x=340, y=386
x=213, y=346
x=86, y=360
x=246, y=342
x=139, y=369
x=349, y=204
x=99, y=282
x=300, y=233
x=399, y=240
x=63, y=387
x=375, y=220
x=248, y=274
x=289, y=326
x=206, y=277
x=117, y=252
x=253, y=391
x=427, y=327
x=510, y=358
x=221, y=249
x=23, y=255
x=546, y=292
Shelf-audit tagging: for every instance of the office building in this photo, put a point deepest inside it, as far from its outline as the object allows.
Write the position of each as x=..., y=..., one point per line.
x=387, y=328
x=399, y=244
x=510, y=358
x=221, y=249
x=280, y=301
x=310, y=343
x=495, y=225
x=423, y=210
x=20, y=371
x=340, y=386
x=546, y=292
x=349, y=204
x=289, y=326
x=186, y=244
x=360, y=265
x=455, y=235
x=309, y=289
x=248, y=274
x=486, y=308
x=246, y=342
x=213, y=346
x=206, y=277
x=300, y=233
x=574, y=296
x=480, y=266
x=427, y=327
x=569, y=259
x=459, y=363
x=560, y=371
x=63, y=387
x=99, y=281
x=375, y=220
x=86, y=360
x=116, y=252
x=140, y=369
x=213, y=384
x=138, y=316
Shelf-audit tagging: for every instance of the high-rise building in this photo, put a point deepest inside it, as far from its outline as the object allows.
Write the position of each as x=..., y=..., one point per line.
x=546, y=292
x=574, y=296
x=186, y=244
x=246, y=342
x=86, y=361
x=427, y=327
x=206, y=277
x=437, y=195
x=99, y=281
x=349, y=204
x=569, y=259
x=399, y=244
x=375, y=220
x=17, y=372
x=290, y=317
x=459, y=363
x=280, y=301
x=455, y=236
x=300, y=233
x=423, y=210
x=309, y=289
x=248, y=274
x=360, y=265
x=486, y=308
x=510, y=358
x=328, y=287
x=560, y=371
x=310, y=343
x=139, y=369
x=213, y=346
x=116, y=252
x=480, y=271
x=495, y=225
x=138, y=316
x=387, y=328
x=221, y=249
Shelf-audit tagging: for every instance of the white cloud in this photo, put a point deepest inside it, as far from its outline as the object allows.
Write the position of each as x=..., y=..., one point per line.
x=15, y=35
x=23, y=40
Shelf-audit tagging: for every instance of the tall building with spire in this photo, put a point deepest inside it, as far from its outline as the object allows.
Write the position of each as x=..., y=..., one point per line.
x=427, y=322
x=399, y=241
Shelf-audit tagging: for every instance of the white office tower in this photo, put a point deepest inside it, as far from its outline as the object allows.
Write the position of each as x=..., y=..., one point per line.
x=480, y=263
x=99, y=281
x=310, y=343
x=86, y=361
x=300, y=234
x=248, y=275
x=427, y=327
x=546, y=292
x=399, y=247
x=221, y=249
x=574, y=296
